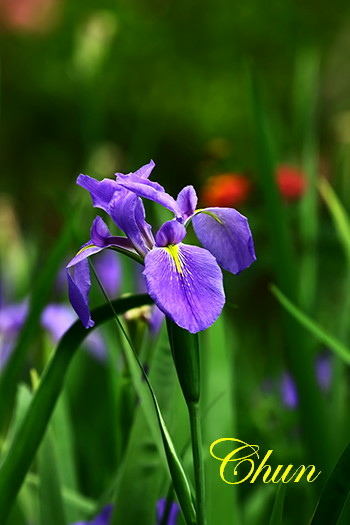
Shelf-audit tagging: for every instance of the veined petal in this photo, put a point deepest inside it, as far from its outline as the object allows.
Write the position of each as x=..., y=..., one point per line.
x=185, y=282
x=149, y=190
x=101, y=191
x=187, y=201
x=226, y=234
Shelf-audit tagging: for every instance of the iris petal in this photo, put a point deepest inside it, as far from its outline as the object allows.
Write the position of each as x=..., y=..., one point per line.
x=226, y=234
x=78, y=272
x=149, y=190
x=129, y=215
x=185, y=282
x=101, y=191
x=144, y=172
x=171, y=232
x=187, y=201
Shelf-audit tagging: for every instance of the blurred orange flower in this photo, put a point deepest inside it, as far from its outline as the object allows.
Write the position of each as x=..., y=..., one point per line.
x=225, y=189
x=28, y=15
x=291, y=182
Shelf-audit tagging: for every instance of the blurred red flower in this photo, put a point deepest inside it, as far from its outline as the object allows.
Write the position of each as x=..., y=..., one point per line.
x=225, y=189
x=291, y=182
x=28, y=15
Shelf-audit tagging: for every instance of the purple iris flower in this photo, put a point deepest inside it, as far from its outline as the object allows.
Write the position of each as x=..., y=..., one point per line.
x=102, y=519
x=184, y=281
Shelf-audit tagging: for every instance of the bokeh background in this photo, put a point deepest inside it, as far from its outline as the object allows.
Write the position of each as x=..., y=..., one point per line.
x=250, y=103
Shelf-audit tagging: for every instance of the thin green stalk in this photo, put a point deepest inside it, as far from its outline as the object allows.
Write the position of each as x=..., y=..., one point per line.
x=198, y=465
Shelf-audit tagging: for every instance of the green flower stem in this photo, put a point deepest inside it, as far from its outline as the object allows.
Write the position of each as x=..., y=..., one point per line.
x=185, y=350
x=198, y=465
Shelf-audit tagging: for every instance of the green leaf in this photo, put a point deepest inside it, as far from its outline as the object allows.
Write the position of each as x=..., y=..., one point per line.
x=339, y=215
x=277, y=511
x=335, y=492
x=149, y=403
x=31, y=432
x=321, y=335
x=51, y=507
x=41, y=293
x=141, y=459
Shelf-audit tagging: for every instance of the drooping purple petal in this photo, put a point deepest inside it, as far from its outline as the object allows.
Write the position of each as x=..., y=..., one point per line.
x=289, y=391
x=78, y=273
x=149, y=190
x=129, y=215
x=185, y=282
x=102, y=519
x=173, y=512
x=171, y=232
x=226, y=234
x=79, y=285
x=187, y=201
x=101, y=191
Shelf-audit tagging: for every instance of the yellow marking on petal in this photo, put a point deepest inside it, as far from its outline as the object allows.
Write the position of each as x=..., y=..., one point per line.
x=211, y=214
x=86, y=248
x=173, y=249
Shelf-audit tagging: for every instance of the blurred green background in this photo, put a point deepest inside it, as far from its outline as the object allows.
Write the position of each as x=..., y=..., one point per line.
x=102, y=87
x=99, y=87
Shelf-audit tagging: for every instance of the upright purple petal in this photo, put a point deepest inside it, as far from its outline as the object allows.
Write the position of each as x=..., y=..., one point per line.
x=129, y=215
x=101, y=237
x=144, y=172
x=173, y=512
x=171, y=232
x=149, y=190
x=226, y=234
x=187, y=201
x=102, y=519
x=185, y=282
x=101, y=191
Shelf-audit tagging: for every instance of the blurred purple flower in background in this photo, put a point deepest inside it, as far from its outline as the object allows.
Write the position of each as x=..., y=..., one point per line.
x=173, y=512
x=324, y=370
x=102, y=519
x=184, y=281
x=289, y=391
x=12, y=318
